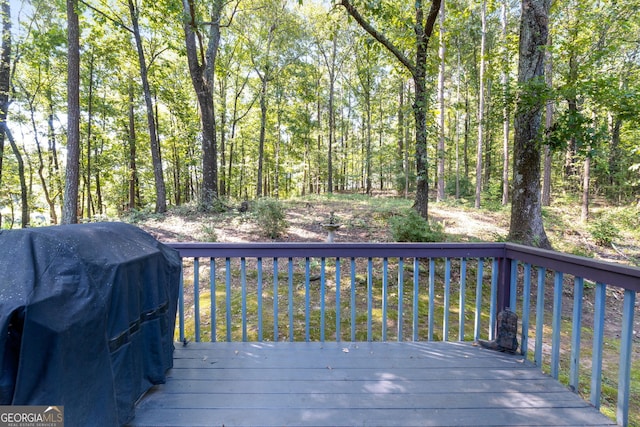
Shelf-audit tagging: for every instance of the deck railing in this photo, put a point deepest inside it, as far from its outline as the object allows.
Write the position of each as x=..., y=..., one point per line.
x=405, y=291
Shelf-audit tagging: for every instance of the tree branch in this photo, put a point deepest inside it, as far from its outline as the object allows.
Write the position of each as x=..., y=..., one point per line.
x=351, y=10
x=431, y=20
x=107, y=17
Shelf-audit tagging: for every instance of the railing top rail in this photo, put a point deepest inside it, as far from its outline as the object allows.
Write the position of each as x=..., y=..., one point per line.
x=610, y=273
x=591, y=269
x=340, y=250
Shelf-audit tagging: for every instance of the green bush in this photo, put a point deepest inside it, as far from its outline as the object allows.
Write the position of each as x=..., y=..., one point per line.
x=627, y=217
x=603, y=231
x=209, y=233
x=269, y=215
x=411, y=227
x=467, y=189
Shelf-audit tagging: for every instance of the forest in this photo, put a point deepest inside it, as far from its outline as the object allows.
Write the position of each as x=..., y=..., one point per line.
x=210, y=103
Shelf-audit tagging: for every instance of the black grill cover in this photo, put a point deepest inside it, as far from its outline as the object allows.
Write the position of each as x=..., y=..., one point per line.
x=87, y=315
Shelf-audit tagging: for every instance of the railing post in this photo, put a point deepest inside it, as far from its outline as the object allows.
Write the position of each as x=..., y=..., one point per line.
x=626, y=350
x=504, y=284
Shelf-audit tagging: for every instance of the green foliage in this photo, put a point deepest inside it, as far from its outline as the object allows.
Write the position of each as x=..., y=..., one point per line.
x=577, y=126
x=137, y=216
x=269, y=215
x=627, y=218
x=467, y=188
x=534, y=93
x=209, y=233
x=411, y=227
x=604, y=231
x=400, y=180
x=494, y=190
x=217, y=206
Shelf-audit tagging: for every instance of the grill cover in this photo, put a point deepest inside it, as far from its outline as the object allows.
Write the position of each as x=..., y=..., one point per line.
x=87, y=315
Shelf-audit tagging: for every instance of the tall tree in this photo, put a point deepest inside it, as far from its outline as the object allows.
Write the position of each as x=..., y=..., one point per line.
x=5, y=99
x=46, y=187
x=526, y=224
x=441, y=78
x=367, y=77
x=265, y=69
x=506, y=110
x=158, y=174
x=133, y=192
x=24, y=190
x=202, y=70
x=423, y=27
x=5, y=76
x=481, y=101
x=72, y=179
x=332, y=62
x=548, y=122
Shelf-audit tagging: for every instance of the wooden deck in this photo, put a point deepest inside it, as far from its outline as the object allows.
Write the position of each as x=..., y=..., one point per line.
x=357, y=384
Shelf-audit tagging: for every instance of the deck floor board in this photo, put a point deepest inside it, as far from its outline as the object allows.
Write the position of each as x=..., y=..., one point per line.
x=357, y=384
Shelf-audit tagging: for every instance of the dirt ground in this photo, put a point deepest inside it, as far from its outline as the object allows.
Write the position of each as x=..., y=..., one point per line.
x=366, y=221
x=360, y=222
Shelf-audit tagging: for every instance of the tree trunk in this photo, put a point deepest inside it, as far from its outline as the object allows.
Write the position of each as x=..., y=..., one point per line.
x=223, y=128
x=586, y=178
x=570, y=169
x=97, y=151
x=614, y=151
x=421, y=202
x=344, y=139
x=331, y=64
x=406, y=157
x=546, y=181
x=467, y=128
x=202, y=78
x=276, y=151
x=457, y=124
x=263, y=130
x=380, y=145
x=72, y=179
x=483, y=17
x=265, y=76
x=133, y=170
x=176, y=175
x=5, y=75
x=24, y=191
x=41, y=166
x=423, y=30
x=368, y=159
x=306, y=160
x=441, y=78
x=236, y=117
x=423, y=27
x=526, y=212
x=54, y=165
x=506, y=113
x=156, y=159
x=401, y=141
x=488, y=140
x=87, y=176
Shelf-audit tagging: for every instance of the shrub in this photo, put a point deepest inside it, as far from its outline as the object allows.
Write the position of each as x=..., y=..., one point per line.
x=466, y=187
x=269, y=215
x=627, y=217
x=135, y=216
x=209, y=233
x=603, y=231
x=411, y=227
